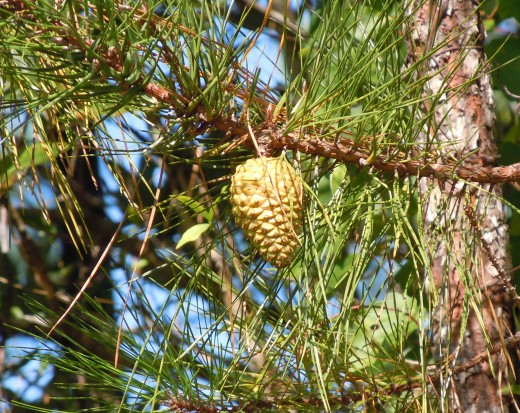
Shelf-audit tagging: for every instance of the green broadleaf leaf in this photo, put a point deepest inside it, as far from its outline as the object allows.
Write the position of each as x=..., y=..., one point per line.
x=192, y=234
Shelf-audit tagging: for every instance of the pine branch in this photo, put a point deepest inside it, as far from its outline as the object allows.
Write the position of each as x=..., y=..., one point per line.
x=343, y=148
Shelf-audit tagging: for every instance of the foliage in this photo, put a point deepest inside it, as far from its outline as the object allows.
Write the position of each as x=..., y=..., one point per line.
x=122, y=123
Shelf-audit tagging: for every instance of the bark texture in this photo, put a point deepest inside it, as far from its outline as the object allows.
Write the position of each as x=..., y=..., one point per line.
x=473, y=308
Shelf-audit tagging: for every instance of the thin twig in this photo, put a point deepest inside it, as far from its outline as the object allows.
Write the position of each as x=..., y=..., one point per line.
x=92, y=274
x=506, y=281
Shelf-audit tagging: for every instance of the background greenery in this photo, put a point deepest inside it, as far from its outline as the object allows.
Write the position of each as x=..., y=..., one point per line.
x=117, y=124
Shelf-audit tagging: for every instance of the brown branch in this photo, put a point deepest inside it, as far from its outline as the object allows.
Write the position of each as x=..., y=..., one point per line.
x=345, y=150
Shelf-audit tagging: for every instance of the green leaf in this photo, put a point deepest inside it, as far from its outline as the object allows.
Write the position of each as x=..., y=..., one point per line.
x=505, y=54
x=192, y=234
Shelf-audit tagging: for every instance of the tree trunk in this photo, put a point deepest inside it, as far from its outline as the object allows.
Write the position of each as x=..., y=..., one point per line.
x=473, y=307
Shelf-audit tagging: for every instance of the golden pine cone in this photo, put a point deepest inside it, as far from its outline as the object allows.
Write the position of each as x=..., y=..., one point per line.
x=266, y=195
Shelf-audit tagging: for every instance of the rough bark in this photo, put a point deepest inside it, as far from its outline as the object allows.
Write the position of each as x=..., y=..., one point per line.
x=473, y=308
